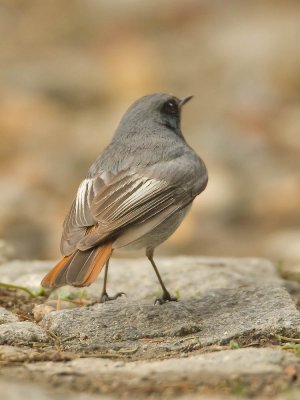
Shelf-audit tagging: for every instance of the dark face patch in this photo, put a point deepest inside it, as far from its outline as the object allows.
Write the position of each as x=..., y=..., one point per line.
x=171, y=108
x=170, y=114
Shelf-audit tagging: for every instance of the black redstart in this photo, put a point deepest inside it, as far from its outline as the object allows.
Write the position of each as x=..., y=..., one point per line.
x=135, y=195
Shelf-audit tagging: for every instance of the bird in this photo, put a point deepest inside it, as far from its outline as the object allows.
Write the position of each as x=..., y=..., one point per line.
x=134, y=196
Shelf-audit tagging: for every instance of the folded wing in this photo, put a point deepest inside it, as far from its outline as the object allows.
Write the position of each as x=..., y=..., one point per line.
x=113, y=207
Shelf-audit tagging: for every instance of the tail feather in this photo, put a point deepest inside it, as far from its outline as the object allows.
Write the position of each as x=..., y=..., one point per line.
x=79, y=266
x=100, y=259
x=79, y=269
x=50, y=279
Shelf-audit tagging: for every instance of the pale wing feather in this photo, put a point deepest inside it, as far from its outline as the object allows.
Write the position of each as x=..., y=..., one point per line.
x=139, y=200
x=79, y=217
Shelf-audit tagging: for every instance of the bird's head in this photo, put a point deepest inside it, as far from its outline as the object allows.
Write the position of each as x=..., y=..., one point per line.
x=151, y=112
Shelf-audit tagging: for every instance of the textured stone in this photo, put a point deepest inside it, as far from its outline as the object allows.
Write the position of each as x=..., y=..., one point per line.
x=190, y=276
x=40, y=310
x=24, y=273
x=21, y=333
x=243, y=369
x=220, y=299
x=6, y=316
x=216, y=317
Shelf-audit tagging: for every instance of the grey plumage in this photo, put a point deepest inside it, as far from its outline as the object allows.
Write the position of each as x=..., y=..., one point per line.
x=138, y=190
x=147, y=170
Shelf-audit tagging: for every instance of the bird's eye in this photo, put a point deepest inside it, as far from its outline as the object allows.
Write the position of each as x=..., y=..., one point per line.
x=170, y=107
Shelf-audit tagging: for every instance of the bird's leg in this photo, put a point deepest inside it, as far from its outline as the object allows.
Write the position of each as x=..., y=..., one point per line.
x=104, y=296
x=166, y=295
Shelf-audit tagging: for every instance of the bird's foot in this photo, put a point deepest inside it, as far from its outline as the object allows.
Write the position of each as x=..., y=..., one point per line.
x=164, y=298
x=105, y=297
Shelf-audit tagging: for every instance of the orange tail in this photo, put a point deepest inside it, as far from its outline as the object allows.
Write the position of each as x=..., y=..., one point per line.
x=79, y=269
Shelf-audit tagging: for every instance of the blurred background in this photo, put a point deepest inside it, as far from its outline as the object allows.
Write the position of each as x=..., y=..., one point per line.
x=69, y=69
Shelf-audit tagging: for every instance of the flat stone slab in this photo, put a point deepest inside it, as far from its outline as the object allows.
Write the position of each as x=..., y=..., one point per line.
x=24, y=273
x=188, y=276
x=220, y=299
x=242, y=371
x=217, y=317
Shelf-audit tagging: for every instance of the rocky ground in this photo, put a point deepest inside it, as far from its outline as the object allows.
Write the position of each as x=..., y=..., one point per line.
x=234, y=332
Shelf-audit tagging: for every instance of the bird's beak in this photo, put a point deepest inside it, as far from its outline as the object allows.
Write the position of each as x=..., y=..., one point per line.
x=184, y=100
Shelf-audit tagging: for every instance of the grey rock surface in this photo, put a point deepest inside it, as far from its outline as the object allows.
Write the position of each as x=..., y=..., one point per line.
x=220, y=299
x=135, y=349
x=24, y=273
x=247, y=368
x=191, y=276
x=16, y=333
x=217, y=317
x=7, y=316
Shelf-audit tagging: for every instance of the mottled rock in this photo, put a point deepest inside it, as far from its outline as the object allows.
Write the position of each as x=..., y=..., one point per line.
x=246, y=369
x=16, y=333
x=40, y=310
x=7, y=316
x=216, y=317
x=220, y=299
x=24, y=273
x=189, y=276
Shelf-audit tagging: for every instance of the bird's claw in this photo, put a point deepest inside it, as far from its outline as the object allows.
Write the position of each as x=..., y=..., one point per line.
x=165, y=298
x=105, y=297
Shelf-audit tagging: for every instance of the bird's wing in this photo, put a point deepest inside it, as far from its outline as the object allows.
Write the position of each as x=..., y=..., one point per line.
x=128, y=200
x=79, y=217
x=114, y=203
